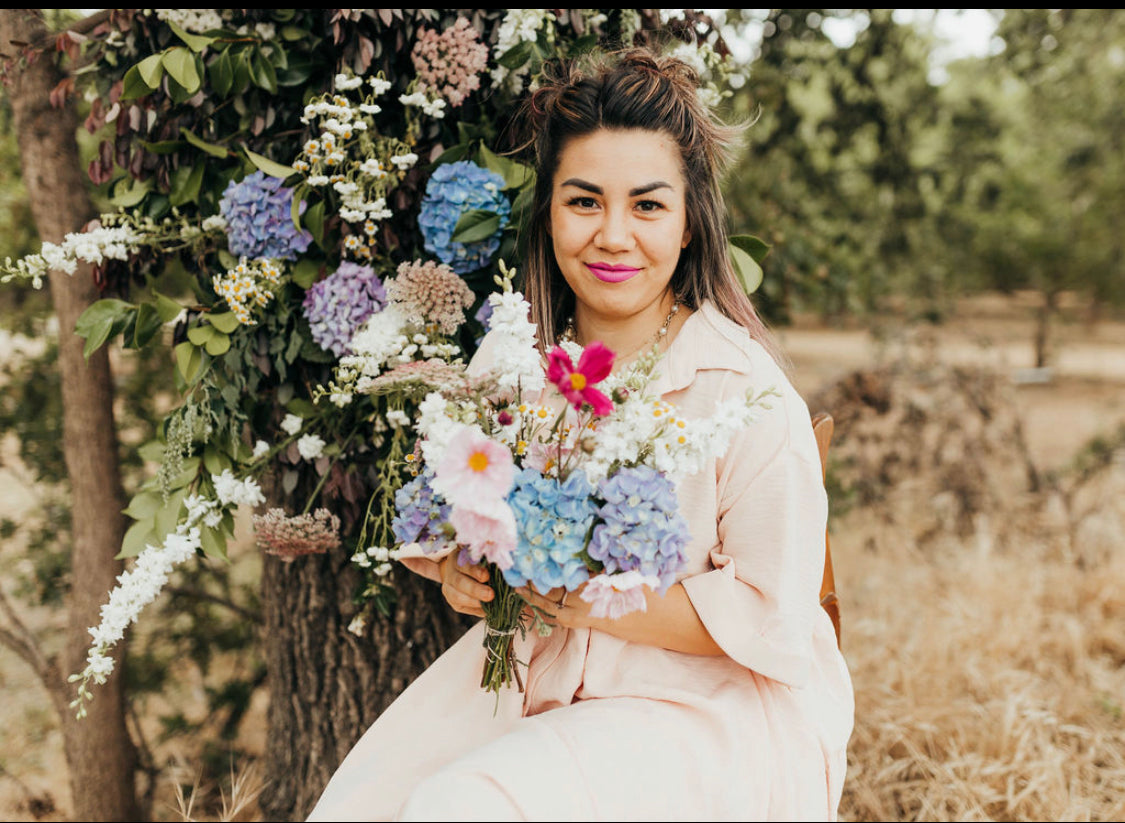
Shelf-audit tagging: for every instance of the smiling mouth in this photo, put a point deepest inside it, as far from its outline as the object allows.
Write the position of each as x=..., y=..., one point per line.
x=609, y=273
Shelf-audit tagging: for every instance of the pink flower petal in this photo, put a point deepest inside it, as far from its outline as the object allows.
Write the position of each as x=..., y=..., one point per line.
x=596, y=362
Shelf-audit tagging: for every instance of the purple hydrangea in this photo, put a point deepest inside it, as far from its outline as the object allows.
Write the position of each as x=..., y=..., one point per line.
x=258, y=211
x=552, y=519
x=339, y=304
x=641, y=527
x=420, y=514
x=453, y=189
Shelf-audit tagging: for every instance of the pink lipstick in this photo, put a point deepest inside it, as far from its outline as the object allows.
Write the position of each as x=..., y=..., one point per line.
x=610, y=273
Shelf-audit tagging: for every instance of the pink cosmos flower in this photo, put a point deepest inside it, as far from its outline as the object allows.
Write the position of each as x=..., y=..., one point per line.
x=577, y=383
x=474, y=468
x=613, y=595
x=488, y=528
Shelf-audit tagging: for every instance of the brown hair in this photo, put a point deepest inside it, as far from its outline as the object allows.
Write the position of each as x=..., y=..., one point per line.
x=636, y=89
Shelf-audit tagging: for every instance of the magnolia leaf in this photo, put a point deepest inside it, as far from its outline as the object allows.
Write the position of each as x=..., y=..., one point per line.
x=146, y=326
x=100, y=320
x=753, y=246
x=221, y=71
x=748, y=271
x=195, y=42
x=304, y=272
x=150, y=70
x=189, y=359
x=125, y=197
x=180, y=65
x=515, y=174
x=199, y=143
x=270, y=167
x=215, y=461
x=168, y=516
x=186, y=183
x=200, y=335
x=166, y=307
x=475, y=225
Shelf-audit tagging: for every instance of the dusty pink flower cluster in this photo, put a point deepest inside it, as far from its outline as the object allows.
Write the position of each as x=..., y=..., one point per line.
x=422, y=376
x=290, y=537
x=450, y=63
x=433, y=291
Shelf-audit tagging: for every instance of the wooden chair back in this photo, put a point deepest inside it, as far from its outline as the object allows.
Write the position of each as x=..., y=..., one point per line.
x=823, y=426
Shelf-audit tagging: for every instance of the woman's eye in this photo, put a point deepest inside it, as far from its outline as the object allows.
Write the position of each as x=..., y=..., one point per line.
x=582, y=202
x=650, y=205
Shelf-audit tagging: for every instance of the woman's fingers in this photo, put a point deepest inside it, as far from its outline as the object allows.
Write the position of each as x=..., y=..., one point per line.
x=464, y=587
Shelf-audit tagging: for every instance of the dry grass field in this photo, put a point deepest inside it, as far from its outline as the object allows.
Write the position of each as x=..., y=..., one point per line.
x=976, y=527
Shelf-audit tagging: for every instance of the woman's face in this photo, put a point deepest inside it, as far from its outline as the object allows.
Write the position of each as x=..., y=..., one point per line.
x=619, y=223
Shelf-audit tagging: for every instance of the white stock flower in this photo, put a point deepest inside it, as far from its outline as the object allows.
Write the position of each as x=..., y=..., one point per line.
x=292, y=423
x=261, y=449
x=518, y=362
x=310, y=446
x=234, y=492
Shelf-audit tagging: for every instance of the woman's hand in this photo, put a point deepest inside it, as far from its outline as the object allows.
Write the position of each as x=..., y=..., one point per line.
x=464, y=587
x=562, y=608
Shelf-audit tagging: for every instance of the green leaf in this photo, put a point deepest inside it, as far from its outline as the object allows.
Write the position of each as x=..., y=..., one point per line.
x=196, y=42
x=753, y=246
x=270, y=167
x=166, y=307
x=132, y=86
x=516, y=56
x=515, y=174
x=305, y=272
x=452, y=154
x=218, y=345
x=200, y=335
x=241, y=66
x=314, y=221
x=181, y=67
x=263, y=73
x=99, y=320
x=475, y=225
x=147, y=325
x=228, y=260
x=748, y=271
x=126, y=197
x=221, y=71
x=225, y=322
x=168, y=516
x=210, y=148
x=144, y=505
x=161, y=146
x=292, y=33
x=186, y=183
x=151, y=70
x=301, y=407
x=189, y=359
x=139, y=535
x=215, y=461
x=187, y=475
x=213, y=542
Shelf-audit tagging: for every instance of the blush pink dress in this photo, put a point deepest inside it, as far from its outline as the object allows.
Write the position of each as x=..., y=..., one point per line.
x=612, y=730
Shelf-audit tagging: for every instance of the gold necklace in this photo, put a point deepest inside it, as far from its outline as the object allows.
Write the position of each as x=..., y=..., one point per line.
x=568, y=335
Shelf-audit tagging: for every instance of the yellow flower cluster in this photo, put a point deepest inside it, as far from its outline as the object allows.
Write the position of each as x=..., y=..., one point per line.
x=248, y=285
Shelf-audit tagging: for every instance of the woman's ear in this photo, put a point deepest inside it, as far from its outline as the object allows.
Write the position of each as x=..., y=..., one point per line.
x=686, y=238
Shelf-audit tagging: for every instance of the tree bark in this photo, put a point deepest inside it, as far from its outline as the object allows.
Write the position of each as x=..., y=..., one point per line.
x=100, y=754
x=328, y=685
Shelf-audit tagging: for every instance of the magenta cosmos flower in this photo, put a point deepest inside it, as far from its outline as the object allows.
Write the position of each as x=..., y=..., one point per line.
x=577, y=383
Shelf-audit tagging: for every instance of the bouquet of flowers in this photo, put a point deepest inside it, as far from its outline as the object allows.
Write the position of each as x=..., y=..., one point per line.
x=556, y=474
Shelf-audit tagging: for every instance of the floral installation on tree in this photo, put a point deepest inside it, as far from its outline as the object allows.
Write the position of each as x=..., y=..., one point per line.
x=577, y=494
x=318, y=249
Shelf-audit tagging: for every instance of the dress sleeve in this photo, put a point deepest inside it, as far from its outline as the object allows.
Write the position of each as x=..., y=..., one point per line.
x=411, y=555
x=759, y=599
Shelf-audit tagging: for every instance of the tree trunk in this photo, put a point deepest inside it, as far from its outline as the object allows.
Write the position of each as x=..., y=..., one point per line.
x=1043, y=328
x=327, y=685
x=99, y=751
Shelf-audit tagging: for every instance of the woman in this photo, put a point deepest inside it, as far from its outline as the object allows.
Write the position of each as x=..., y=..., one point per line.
x=727, y=698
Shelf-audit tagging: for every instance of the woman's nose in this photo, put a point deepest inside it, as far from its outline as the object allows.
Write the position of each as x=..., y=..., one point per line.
x=614, y=233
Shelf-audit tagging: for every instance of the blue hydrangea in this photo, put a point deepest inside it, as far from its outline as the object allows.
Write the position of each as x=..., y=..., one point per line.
x=453, y=189
x=337, y=305
x=551, y=523
x=420, y=514
x=641, y=527
x=259, y=216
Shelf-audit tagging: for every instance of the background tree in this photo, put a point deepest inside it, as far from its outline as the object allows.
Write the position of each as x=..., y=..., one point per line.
x=99, y=750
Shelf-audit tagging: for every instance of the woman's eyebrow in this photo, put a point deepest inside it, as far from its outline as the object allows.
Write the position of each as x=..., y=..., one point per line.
x=637, y=192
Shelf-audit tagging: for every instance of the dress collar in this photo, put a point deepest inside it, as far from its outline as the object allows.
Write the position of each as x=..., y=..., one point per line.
x=707, y=340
